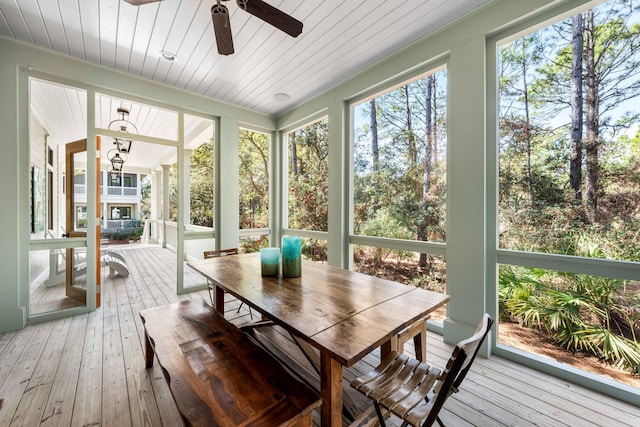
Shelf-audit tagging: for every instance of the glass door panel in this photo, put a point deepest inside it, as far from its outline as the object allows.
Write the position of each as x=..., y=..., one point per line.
x=76, y=221
x=55, y=261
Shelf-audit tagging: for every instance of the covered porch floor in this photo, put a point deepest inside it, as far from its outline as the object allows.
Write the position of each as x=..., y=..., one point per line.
x=89, y=369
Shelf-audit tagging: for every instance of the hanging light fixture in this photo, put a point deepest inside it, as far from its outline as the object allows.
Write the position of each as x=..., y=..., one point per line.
x=113, y=175
x=124, y=145
x=123, y=124
x=117, y=162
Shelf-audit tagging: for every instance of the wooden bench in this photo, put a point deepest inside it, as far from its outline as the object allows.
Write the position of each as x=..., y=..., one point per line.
x=217, y=375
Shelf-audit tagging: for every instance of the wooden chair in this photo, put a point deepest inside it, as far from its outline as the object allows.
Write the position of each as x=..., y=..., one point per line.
x=218, y=253
x=417, y=331
x=415, y=391
x=221, y=252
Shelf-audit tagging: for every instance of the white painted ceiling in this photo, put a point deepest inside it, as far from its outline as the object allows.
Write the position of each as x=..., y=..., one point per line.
x=339, y=39
x=62, y=112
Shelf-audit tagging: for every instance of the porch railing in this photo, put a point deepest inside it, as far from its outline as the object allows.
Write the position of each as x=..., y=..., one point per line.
x=198, y=239
x=121, y=191
x=115, y=224
x=108, y=190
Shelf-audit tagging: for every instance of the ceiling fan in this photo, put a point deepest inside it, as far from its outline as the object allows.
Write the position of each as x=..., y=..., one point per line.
x=258, y=8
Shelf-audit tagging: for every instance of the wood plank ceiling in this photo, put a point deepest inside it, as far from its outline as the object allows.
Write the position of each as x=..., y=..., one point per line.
x=339, y=39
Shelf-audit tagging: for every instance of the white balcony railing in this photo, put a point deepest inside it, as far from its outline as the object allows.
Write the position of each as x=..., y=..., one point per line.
x=120, y=191
x=81, y=189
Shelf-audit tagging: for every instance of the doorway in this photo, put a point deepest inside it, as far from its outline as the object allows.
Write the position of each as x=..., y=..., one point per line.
x=61, y=211
x=58, y=253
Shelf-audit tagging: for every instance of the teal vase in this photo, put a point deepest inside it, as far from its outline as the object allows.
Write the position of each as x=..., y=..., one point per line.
x=291, y=256
x=270, y=261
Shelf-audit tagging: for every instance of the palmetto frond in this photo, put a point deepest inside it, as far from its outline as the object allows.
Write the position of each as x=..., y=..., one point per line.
x=621, y=351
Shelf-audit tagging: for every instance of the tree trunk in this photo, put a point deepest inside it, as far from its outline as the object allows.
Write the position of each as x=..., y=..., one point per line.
x=413, y=152
x=373, y=124
x=591, y=120
x=428, y=147
x=294, y=154
x=575, y=172
x=527, y=120
x=428, y=165
x=434, y=123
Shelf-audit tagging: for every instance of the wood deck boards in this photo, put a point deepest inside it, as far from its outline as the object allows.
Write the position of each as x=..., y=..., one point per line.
x=89, y=369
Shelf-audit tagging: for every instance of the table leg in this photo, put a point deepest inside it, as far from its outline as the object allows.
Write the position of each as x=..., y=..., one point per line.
x=218, y=295
x=331, y=391
x=386, y=348
x=148, y=351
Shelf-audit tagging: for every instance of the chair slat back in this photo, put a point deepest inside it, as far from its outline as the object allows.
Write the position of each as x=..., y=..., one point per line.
x=221, y=252
x=457, y=367
x=471, y=346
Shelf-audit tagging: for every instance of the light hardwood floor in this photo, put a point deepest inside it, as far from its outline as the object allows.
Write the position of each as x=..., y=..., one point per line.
x=88, y=370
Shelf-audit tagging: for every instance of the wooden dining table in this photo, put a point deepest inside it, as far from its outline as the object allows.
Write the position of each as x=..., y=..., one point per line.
x=342, y=313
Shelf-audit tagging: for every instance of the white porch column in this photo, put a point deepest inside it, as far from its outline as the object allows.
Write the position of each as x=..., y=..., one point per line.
x=339, y=251
x=276, y=188
x=186, y=161
x=165, y=202
x=102, y=213
x=156, y=205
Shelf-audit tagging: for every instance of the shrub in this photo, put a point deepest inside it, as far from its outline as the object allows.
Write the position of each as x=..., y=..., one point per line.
x=122, y=234
x=582, y=313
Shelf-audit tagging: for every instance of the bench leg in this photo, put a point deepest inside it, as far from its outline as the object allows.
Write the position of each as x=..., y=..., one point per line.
x=148, y=351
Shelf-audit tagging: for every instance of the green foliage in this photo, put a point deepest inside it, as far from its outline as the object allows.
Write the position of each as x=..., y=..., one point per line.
x=432, y=278
x=253, y=243
x=538, y=210
x=134, y=223
x=145, y=187
x=409, y=177
x=145, y=196
x=254, y=179
x=201, y=185
x=123, y=234
x=253, y=184
x=385, y=224
x=173, y=193
x=583, y=313
x=314, y=249
x=309, y=177
x=535, y=109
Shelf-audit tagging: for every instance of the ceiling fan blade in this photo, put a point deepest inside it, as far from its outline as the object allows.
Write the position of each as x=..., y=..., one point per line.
x=222, y=29
x=273, y=16
x=140, y=2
